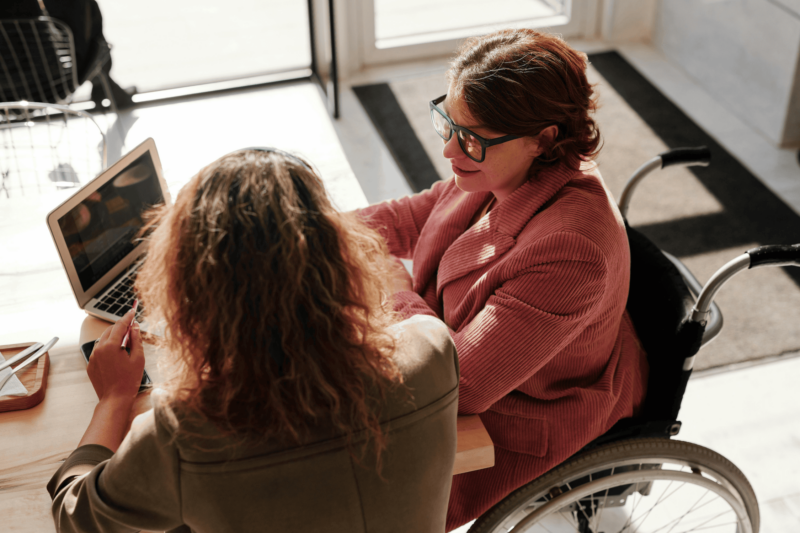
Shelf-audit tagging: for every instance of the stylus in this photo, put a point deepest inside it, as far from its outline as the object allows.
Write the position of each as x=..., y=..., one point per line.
x=128, y=331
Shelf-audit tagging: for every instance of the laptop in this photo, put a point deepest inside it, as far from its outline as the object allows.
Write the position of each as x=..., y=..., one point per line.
x=96, y=231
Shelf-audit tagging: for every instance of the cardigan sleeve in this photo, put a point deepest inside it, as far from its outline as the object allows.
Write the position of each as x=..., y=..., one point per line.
x=136, y=488
x=533, y=316
x=401, y=221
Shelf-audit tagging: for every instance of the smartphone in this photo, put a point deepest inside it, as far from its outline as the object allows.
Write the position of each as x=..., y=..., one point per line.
x=86, y=350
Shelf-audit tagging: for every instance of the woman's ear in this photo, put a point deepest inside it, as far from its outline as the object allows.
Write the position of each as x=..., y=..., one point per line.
x=548, y=135
x=545, y=138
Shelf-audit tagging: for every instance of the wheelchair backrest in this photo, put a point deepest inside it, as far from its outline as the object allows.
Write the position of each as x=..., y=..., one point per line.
x=659, y=303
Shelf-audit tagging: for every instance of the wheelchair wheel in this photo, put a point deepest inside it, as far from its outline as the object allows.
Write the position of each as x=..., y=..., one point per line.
x=639, y=485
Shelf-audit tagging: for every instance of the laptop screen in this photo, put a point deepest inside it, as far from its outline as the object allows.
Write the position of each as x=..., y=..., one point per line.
x=100, y=231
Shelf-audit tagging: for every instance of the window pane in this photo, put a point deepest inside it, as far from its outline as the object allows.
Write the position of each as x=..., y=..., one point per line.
x=400, y=20
x=158, y=44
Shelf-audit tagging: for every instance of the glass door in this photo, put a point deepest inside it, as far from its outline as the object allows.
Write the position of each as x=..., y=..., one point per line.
x=161, y=45
x=185, y=47
x=396, y=30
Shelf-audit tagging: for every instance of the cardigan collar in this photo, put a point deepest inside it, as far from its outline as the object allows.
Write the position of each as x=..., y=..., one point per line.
x=494, y=234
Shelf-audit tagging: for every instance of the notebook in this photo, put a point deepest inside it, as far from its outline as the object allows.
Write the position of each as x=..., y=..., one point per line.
x=96, y=231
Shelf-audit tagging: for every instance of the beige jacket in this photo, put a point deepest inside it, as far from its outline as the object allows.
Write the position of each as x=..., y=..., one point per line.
x=159, y=480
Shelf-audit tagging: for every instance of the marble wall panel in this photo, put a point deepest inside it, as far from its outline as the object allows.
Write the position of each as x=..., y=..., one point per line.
x=744, y=52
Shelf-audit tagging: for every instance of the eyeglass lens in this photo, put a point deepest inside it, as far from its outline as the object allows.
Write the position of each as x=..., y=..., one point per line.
x=469, y=144
x=441, y=125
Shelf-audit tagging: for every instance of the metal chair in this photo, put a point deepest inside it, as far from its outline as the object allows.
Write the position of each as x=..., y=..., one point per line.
x=38, y=62
x=47, y=147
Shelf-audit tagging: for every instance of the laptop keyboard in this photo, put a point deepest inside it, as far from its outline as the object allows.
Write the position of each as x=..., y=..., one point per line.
x=119, y=299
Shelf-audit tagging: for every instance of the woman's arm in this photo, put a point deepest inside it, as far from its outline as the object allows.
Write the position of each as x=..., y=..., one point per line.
x=115, y=375
x=136, y=488
x=401, y=221
x=527, y=321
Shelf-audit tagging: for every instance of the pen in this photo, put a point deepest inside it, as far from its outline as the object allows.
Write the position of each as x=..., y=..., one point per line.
x=128, y=331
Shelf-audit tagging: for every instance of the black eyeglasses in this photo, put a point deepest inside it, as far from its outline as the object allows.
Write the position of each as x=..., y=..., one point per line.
x=471, y=143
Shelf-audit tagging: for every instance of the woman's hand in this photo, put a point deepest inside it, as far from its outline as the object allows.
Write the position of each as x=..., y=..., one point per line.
x=114, y=373
x=116, y=376
x=401, y=279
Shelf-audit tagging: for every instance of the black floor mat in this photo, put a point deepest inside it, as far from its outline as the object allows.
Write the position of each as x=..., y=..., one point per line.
x=395, y=130
x=752, y=213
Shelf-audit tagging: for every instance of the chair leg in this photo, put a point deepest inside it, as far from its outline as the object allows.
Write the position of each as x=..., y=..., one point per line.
x=107, y=89
x=3, y=184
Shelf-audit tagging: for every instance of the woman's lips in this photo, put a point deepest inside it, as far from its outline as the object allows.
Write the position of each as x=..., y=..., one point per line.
x=462, y=172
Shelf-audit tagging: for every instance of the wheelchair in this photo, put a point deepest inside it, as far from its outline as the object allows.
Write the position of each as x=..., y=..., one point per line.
x=635, y=478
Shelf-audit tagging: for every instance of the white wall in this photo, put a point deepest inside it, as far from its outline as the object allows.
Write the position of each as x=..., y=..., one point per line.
x=627, y=20
x=743, y=52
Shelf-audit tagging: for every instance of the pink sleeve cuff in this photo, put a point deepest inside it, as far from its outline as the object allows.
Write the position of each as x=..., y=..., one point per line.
x=409, y=303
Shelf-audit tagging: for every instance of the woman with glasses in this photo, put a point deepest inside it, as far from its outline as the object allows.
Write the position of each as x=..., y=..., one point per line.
x=296, y=400
x=524, y=255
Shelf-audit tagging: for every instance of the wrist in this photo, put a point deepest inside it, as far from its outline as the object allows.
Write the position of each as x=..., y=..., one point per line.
x=116, y=402
x=109, y=422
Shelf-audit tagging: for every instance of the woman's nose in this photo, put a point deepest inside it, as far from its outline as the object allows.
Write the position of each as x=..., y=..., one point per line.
x=451, y=149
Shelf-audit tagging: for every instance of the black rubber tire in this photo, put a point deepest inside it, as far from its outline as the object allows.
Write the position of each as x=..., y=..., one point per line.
x=708, y=461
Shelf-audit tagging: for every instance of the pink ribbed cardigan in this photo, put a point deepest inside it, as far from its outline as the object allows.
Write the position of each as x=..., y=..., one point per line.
x=534, y=294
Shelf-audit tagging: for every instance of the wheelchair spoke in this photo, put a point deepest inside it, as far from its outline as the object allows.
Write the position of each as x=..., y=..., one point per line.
x=698, y=528
x=680, y=519
x=665, y=495
x=569, y=522
x=662, y=498
x=648, y=486
x=628, y=522
x=581, y=508
x=602, y=508
x=714, y=526
x=676, y=521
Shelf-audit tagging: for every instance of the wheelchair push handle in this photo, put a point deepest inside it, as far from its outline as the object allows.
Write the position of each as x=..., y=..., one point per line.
x=697, y=156
x=775, y=255
x=768, y=255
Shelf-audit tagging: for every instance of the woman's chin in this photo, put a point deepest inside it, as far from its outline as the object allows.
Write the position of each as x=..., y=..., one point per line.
x=468, y=184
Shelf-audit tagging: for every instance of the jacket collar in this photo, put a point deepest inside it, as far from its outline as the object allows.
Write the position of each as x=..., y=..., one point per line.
x=495, y=234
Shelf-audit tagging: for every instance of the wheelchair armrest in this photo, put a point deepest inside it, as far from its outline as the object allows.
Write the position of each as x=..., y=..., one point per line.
x=714, y=322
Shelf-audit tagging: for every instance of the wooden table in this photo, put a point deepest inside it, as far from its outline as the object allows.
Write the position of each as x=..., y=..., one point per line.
x=34, y=442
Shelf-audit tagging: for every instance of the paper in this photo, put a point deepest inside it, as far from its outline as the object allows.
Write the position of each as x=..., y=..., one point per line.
x=14, y=387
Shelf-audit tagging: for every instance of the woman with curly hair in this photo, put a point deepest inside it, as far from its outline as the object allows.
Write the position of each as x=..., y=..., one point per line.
x=293, y=399
x=524, y=255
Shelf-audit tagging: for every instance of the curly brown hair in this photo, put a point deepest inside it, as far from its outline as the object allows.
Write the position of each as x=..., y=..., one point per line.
x=275, y=305
x=520, y=81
